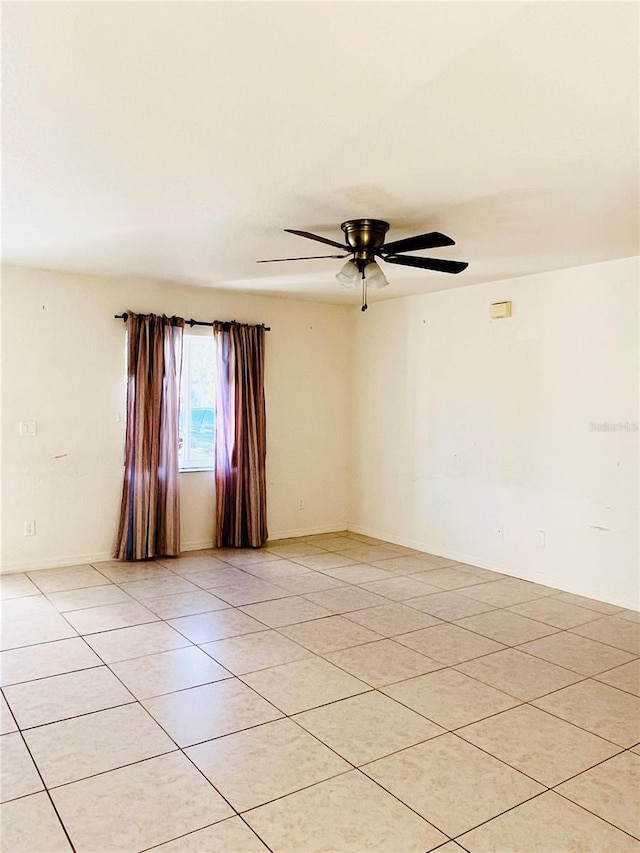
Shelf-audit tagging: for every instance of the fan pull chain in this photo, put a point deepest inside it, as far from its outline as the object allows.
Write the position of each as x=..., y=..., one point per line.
x=364, y=293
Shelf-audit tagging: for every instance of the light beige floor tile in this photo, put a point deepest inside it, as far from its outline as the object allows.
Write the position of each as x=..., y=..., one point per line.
x=530, y=586
x=210, y=711
x=126, y=572
x=18, y=774
x=551, y=611
x=16, y=586
x=617, y=632
x=7, y=723
x=167, y=672
x=449, y=644
x=360, y=573
x=579, y=654
x=155, y=587
x=450, y=698
x=434, y=561
x=363, y=553
x=215, y=577
x=636, y=749
x=382, y=662
x=630, y=615
x=610, y=791
x=250, y=592
x=402, y=550
x=506, y=627
x=548, y=824
x=345, y=599
x=451, y=847
x=184, y=604
x=338, y=815
x=504, y=593
x=542, y=746
x=331, y=542
x=205, y=627
x=485, y=574
x=93, y=596
x=400, y=588
x=249, y=557
x=36, y=703
x=27, y=632
x=93, y=620
x=392, y=619
x=232, y=835
x=140, y=640
x=324, y=561
x=70, y=577
x=304, y=684
x=369, y=726
x=412, y=565
x=291, y=550
x=30, y=825
x=47, y=659
x=250, y=652
x=83, y=746
x=598, y=708
x=276, y=572
x=309, y=581
x=449, y=605
x=251, y=768
x=285, y=611
x=625, y=677
x=192, y=561
x=449, y=578
x=440, y=779
x=589, y=603
x=329, y=634
x=517, y=674
x=139, y=806
x=27, y=607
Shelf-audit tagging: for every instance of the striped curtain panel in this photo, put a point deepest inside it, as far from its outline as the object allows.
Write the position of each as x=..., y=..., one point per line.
x=150, y=511
x=240, y=475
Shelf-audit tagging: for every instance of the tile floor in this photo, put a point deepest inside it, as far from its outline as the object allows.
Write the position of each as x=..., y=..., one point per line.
x=328, y=693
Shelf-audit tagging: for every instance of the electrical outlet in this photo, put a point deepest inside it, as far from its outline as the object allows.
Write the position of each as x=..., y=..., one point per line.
x=300, y=503
x=29, y=528
x=540, y=539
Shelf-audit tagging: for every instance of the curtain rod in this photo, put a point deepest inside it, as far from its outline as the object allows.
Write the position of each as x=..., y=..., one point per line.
x=193, y=322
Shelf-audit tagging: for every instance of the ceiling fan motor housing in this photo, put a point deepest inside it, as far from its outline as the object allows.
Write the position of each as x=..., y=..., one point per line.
x=365, y=236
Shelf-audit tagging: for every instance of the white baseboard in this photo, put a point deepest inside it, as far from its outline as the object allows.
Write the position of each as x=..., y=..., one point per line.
x=599, y=593
x=306, y=531
x=56, y=562
x=197, y=545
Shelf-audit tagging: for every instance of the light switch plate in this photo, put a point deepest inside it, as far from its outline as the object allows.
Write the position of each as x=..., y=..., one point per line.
x=500, y=310
x=28, y=429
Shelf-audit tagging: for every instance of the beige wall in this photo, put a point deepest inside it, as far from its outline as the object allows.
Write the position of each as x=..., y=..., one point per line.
x=452, y=433
x=469, y=426
x=63, y=365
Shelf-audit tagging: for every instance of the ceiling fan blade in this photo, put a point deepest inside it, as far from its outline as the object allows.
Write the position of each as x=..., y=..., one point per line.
x=436, y=264
x=307, y=258
x=319, y=239
x=433, y=240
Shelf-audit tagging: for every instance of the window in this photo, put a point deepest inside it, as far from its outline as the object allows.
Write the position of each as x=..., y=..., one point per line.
x=197, y=399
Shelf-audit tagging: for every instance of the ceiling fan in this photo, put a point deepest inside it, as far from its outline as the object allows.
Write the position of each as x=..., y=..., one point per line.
x=365, y=243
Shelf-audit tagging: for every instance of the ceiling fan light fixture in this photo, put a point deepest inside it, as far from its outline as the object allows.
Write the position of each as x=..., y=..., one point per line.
x=374, y=276
x=349, y=274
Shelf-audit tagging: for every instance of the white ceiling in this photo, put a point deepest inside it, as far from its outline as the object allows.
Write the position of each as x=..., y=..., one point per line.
x=178, y=140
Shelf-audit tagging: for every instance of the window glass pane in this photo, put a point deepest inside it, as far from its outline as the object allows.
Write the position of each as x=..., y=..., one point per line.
x=197, y=399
